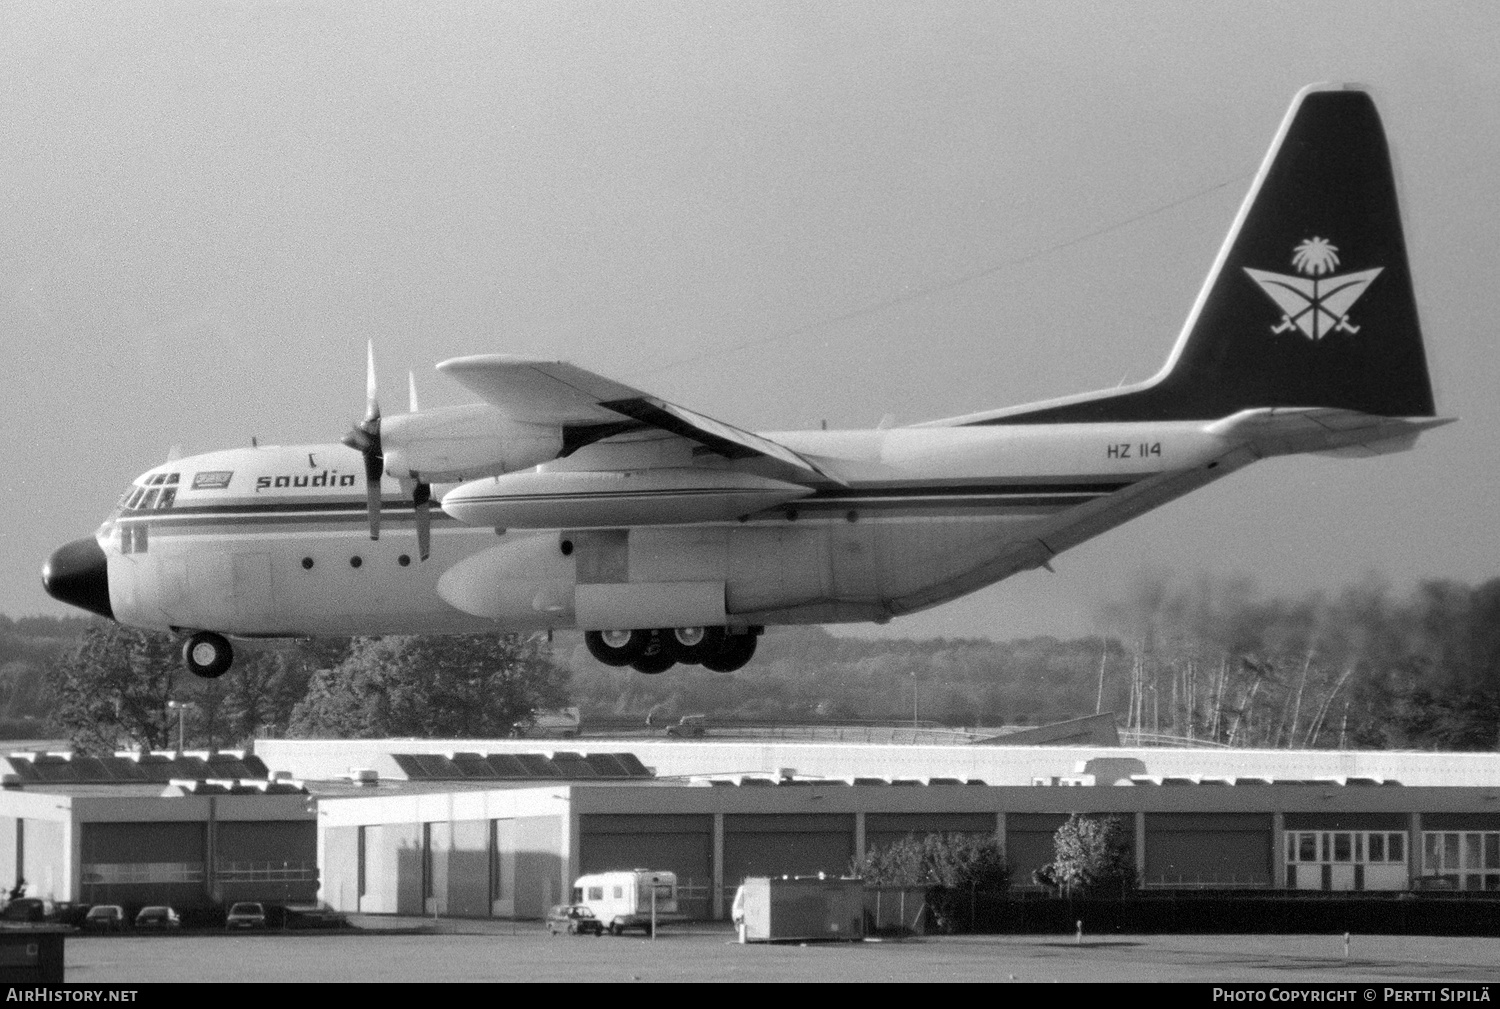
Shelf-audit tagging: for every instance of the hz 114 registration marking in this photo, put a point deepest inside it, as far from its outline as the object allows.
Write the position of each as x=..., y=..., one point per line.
x=1125, y=450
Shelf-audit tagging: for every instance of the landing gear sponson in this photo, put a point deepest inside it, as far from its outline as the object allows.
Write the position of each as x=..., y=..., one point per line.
x=209, y=655
x=656, y=651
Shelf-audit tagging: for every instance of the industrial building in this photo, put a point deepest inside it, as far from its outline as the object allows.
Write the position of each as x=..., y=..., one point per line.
x=500, y=828
x=155, y=828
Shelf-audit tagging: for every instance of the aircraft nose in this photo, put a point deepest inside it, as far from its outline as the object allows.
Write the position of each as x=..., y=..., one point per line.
x=78, y=574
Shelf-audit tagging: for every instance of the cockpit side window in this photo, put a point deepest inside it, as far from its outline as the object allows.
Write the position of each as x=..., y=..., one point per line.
x=168, y=495
x=149, y=500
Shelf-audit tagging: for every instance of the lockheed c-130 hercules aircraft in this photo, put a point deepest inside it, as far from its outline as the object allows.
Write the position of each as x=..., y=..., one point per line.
x=569, y=500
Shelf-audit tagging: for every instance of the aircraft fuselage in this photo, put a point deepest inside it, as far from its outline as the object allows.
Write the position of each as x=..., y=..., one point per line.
x=273, y=540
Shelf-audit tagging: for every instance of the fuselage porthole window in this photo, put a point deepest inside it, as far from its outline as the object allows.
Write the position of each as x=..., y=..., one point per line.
x=132, y=538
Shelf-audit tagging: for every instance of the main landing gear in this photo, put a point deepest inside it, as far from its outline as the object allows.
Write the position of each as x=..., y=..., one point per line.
x=207, y=654
x=656, y=651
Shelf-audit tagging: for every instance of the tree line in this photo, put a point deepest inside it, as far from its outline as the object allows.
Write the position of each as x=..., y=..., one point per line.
x=1211, y=660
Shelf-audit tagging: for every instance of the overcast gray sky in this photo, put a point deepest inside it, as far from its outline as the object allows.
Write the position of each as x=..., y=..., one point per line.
x=207, y=208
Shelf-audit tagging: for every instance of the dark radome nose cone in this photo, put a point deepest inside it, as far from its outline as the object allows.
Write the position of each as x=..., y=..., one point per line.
x=78, y=574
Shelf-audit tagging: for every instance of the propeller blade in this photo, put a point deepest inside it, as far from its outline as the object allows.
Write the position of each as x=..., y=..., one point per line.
x=364, y=438
x=422, y=498
x=374, y=463
x=372, y=405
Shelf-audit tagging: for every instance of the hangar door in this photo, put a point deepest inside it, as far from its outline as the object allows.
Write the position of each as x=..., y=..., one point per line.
x=680, y=844
x=885, y=829
x=1029, y=843
x=142, y=863
x=786, y=845
x=266, y=860
x=1208, y=849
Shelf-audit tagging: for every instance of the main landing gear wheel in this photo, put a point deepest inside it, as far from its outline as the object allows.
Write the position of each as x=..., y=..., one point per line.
x=617, y=648
x=691, y=645
x=657, y=657
x=207, y=654
x=736, y=650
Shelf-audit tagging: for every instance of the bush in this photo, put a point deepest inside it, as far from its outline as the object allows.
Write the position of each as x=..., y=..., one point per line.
x=953, y=868
x=1091, y=858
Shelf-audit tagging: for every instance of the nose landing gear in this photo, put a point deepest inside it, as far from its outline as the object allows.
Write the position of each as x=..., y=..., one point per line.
x=207, y=654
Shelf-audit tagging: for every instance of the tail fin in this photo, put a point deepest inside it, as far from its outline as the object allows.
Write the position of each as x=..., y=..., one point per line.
x=1309, y=303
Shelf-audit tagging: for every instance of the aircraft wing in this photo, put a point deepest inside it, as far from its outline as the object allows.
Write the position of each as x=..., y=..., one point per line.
x=590, y=407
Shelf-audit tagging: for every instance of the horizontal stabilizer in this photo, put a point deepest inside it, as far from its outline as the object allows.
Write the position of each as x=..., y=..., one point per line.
x=1282, y=431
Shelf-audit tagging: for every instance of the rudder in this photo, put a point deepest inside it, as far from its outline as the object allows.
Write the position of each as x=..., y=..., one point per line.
x=1310, y=301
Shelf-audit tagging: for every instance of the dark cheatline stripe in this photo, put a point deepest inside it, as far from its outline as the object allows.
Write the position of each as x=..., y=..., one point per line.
x=929, y=504
x=970, y=489
x=888, y=497
x=601, y=495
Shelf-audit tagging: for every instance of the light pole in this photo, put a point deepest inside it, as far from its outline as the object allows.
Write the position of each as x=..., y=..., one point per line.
x=180, y=707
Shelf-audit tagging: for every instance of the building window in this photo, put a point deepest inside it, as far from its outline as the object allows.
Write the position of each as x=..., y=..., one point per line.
x=360, y=857
x=429, y=888
x=497, y=874
x=1461, y=860
x=1346, y=860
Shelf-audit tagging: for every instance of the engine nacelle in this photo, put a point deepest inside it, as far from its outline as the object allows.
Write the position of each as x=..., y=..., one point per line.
x=583, y=499
x=455, y=443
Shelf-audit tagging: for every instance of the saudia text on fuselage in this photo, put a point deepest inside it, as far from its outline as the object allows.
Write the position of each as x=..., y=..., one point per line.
x=325, y=478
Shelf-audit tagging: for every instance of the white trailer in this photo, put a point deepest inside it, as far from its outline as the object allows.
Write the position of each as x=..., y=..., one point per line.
x=768, y=909
x=561, y=723
x=632, y=898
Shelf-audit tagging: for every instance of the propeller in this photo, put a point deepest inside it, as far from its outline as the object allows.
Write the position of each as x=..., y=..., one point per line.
x=365, y=439
x=421, y=491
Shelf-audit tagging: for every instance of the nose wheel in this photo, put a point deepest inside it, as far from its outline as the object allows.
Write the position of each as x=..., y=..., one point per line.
x=207, y=654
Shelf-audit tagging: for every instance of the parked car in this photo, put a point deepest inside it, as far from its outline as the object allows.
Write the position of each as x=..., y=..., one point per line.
x=157, y=916
x=688, y=727
x=246, y=914
x=105, y=918
x=574, y=919
x=27, y=910
x=313, y=916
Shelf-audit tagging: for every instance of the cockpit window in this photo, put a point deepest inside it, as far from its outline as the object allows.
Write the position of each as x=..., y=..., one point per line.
x=168, y=495
x=149, y=500
x=135, y=496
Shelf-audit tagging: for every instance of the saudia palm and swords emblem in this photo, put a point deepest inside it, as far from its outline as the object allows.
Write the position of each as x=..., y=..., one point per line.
x=1314, y=304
